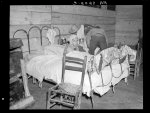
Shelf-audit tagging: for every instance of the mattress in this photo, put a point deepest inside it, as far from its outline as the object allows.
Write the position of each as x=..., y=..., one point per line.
x=49, y=66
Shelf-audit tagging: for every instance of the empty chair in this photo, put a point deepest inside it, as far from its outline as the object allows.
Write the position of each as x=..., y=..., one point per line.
x=67, y=93
x=135, y=65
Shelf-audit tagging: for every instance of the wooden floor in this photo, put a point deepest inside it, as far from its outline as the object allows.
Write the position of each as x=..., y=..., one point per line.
x=126, y=96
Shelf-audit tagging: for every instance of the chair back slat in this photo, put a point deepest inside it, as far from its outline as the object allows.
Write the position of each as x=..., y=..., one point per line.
x=73, y=68
x=73, y=60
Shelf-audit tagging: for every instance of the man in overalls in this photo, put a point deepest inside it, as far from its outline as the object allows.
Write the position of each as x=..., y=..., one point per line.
x=95, y=37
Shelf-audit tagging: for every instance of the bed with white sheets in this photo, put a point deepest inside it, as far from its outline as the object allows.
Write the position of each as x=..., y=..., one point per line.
x=47, y=57
x=46, y=42
x=46, y=64
x=113, y=69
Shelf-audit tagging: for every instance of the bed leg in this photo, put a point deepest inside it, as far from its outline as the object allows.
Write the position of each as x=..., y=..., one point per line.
x=40, y=84
x=34, y=80
x=113, y=89
x=126, y=81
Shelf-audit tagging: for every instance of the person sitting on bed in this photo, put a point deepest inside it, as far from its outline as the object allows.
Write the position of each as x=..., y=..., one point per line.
x=73, y=44
x=74, y=39
x=94, y=36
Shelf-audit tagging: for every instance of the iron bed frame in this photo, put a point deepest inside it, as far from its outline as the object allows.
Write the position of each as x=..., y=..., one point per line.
x=41, y=41
x=40, y=31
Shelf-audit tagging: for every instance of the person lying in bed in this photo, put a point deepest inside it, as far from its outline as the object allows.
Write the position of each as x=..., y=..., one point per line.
x=74, y=45
x=75, y=40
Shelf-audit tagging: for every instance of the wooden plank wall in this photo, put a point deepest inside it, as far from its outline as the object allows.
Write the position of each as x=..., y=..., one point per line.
x=65, y=16
x=62, y=16
x=26, y=16
x=128, y=21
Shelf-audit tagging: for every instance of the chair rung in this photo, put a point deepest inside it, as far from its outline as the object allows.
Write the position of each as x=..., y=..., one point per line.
x=132, y=63
x=73, y=68
x=68, y=94
x=53, y=96
x=73, y=59
x=52, y=105
x=68, y=104
x=132, y=69
x=62, y=92
x=74, y=62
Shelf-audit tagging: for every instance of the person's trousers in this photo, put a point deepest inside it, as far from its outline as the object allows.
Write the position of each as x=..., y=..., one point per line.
x=97, y=41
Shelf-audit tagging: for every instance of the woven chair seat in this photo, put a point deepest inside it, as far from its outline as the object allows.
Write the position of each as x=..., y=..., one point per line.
x=70, y=88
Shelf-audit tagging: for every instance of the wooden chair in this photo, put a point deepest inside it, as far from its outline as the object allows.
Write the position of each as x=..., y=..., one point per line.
x=67, y=94
x=135, y=65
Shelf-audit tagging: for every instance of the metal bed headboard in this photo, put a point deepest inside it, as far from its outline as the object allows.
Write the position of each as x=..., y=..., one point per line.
x=40, y=31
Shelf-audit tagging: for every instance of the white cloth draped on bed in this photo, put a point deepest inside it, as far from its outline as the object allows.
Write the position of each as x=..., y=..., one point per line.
x=51, y=33
x=40, y=67
x=47, y=50
x=101, y=82
x=46, y=65
x=49, y=65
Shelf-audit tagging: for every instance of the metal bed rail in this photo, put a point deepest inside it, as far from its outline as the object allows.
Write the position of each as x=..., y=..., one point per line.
x=40, y=31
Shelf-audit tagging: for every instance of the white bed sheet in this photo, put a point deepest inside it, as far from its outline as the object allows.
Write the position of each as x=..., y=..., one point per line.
x=50, y=67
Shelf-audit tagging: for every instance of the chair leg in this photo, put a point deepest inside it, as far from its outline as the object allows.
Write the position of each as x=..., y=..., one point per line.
x=40, y=84
x=138, y=69
x=77, y=101
x=48, y=100
x=135, y=72
x=77, y=105
x=60, y=106
x=134, y=76
x=91, y=98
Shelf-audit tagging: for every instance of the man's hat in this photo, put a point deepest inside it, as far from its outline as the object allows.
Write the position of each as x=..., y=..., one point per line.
x=73, y=29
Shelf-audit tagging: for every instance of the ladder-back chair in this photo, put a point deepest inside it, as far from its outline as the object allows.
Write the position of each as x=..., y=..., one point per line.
x=68, y=94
